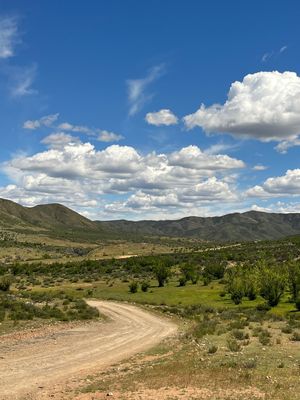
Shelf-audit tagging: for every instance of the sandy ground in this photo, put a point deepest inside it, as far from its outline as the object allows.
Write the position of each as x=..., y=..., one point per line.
x=30, y=367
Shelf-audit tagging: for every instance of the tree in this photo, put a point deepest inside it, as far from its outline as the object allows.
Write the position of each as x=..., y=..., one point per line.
x=162, y=273
x=293, y=269
x=272, y=284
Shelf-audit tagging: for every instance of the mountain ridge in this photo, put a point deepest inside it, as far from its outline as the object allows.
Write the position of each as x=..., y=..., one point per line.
x=250, y=225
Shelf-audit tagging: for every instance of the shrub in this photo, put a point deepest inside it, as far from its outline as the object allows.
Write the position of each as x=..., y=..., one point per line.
x=133, y=287
x=212, y=349
x=264, y=337
x=182, y=281
x=239, y=335
x=296, y=337
x=5, y=283
x=145, y=286
x=297, y=303
x=233, y=345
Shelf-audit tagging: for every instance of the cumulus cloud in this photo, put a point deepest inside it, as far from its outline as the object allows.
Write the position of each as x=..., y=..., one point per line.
x=46, y=121
x=137, y=95
x=106, y=136
x=162, y=117
x=59, y=140
x=264, y=106
x=9, y=36
x=185, y=179
x=193, y=157
x=285, y=185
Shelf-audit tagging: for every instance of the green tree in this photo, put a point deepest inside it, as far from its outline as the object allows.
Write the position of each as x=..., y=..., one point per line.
x=272, y=284
x=293, y=269
x=162, y=273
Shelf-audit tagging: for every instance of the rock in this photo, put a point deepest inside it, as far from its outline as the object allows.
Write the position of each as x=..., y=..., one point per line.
x=109, y=394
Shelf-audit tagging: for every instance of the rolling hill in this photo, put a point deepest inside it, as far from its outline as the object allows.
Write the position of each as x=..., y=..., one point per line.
x=251, y=225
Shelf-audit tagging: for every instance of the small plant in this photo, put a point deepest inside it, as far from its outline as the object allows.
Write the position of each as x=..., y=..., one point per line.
x=5, y=283
x=251, y=363
x=264, y=337
x=239, y=335
x=212, y=349
x=297, y=303
x=145, y=286
x=280, y=365
x=296, y=337
x=133, y=287
x=287, y=329
x=233, y=345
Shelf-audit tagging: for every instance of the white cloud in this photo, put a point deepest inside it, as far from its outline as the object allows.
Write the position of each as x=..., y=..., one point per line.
x=193, y=157
x=106, y=136
x=266, y=56
x=264, y=106
x=259, y=167
x=283, y=146
x=66, y=126
x=280, y=186
x=162, y=117
x=9, y=36
x=22, y=79
x=46, y=121
x=59, y=140
x=186, y=180
x=137, y=95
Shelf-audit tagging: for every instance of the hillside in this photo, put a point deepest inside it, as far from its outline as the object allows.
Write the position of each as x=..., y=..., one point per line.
x=48, y=216
x=251, y=225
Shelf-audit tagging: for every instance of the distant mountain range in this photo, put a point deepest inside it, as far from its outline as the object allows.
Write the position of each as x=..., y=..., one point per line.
x=56, y=218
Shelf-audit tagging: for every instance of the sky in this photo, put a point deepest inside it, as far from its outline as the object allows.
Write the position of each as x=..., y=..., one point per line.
x=151, y=109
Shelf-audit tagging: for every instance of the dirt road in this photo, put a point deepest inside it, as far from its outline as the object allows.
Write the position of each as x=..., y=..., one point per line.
x=29, y=367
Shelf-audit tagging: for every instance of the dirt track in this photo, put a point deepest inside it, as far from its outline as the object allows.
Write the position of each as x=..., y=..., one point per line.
x=29, y=367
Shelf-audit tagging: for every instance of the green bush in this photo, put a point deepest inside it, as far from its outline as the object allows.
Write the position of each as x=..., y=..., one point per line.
x=145, y=286
x=233, y=345
x=133, y=287
x=5, y=283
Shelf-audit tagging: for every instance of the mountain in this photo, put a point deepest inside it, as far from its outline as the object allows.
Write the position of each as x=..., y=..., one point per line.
x=251, y=225
x=58, y=219
x=48, y=216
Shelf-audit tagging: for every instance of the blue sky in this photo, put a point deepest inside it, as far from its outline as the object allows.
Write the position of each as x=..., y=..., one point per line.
x=150, y=109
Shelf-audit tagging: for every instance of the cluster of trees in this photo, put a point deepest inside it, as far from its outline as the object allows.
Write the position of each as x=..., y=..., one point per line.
x=269, y=280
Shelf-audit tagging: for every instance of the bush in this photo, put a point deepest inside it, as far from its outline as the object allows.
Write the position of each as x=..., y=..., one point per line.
x=145, y=286
x=182, y=281
x=239, y=335
x=297, y=303
x=212, y=349
x=233, y=345
x=5, y=283
x=264, y=337
x=296, y=337
x=133, y=287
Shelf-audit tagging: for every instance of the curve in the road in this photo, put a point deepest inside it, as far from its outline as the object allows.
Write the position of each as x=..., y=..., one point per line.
x=32, y=364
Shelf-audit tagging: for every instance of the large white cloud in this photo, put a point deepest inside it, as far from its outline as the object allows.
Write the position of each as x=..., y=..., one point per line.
x=162, y=117
x=264, y=106
x=76, y=173
x=285, y=185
